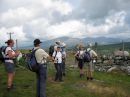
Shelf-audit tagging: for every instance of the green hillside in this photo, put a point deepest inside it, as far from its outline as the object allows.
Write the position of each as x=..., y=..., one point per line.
x=107, y=49
x=115, y=84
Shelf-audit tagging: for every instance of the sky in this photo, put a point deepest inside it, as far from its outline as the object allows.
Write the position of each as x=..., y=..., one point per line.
x=49, y=19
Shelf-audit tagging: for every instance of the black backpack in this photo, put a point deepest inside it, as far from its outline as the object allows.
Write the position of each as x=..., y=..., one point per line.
x=2, y=53
x=51, y=50
x=87, y=57
x=31, y=61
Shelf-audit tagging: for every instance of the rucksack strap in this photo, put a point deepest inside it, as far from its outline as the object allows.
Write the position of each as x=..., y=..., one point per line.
x=88, y=51
x=55, y=55
x=5, y=55
x=33, y=53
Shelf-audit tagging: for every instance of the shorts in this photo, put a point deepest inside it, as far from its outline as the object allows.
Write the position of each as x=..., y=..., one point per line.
x=9, y=67
x=80, y=64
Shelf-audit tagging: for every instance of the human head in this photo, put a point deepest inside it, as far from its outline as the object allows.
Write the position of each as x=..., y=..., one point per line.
x=37, y=42
x=120, y=49
x=89, y=45
x=58, y=48
x=10, y=42
x=81, y=47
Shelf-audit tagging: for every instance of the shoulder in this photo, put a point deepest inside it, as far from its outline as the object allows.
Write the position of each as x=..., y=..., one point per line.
x=92, y=51
x=8, y=48
x=40, y=50
x=54, y=52
x=78, y=51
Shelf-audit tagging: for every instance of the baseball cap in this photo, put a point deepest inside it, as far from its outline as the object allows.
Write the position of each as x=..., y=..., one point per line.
x=37, y=41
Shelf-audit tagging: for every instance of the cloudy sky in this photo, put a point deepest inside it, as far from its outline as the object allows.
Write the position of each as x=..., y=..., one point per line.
x=48, y=19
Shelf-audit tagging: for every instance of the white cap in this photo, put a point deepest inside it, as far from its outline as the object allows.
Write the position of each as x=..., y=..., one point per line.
x=58, y=42
x=63, y=44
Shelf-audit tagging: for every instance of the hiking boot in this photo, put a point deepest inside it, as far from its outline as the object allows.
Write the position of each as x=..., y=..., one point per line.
x=87, y=78
x=10, y=87
x=55, y=79
x=63, y=74
x=91, y=78
x=61, y=80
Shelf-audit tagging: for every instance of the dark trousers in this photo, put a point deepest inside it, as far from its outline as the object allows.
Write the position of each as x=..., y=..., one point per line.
x=58, y=67
x=41, y=81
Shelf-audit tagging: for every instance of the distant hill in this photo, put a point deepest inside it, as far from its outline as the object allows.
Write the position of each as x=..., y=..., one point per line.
x=71, y=42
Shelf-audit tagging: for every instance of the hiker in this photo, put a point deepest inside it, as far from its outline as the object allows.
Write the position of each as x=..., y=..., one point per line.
x=10, y=54
x=53, y=48
x=57, y=58
x=90, y=65
x=79, y=58
x=41, y=57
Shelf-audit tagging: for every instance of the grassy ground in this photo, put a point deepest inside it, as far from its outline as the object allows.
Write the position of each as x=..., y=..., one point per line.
x=116, y=84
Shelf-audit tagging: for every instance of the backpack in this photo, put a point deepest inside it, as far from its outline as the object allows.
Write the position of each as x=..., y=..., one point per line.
x=87, y=57
x=51, y=50
x=31, y=61
x=2, y=53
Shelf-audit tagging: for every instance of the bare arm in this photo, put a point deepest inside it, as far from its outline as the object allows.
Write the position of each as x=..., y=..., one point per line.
x=76, y=53
x=11, y=55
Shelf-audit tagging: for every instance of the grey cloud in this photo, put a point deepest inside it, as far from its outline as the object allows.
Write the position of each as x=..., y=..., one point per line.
x=101, y=8
x=93, y=12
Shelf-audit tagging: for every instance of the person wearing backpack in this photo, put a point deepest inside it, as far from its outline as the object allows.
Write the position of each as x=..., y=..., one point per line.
x=57, y=58
x=41, y=57
x=10, y=54
x=90, y=64
x=52, y=48
x=79, y=58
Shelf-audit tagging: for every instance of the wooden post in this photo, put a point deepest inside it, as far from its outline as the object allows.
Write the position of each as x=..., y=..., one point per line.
x=10, y=33
x=16, y=44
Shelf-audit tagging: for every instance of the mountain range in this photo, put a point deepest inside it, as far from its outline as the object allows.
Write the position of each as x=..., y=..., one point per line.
x=70, y=42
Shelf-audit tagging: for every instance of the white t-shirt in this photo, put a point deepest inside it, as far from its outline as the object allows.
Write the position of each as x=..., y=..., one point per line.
x=6, y=54
x=58, y=57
